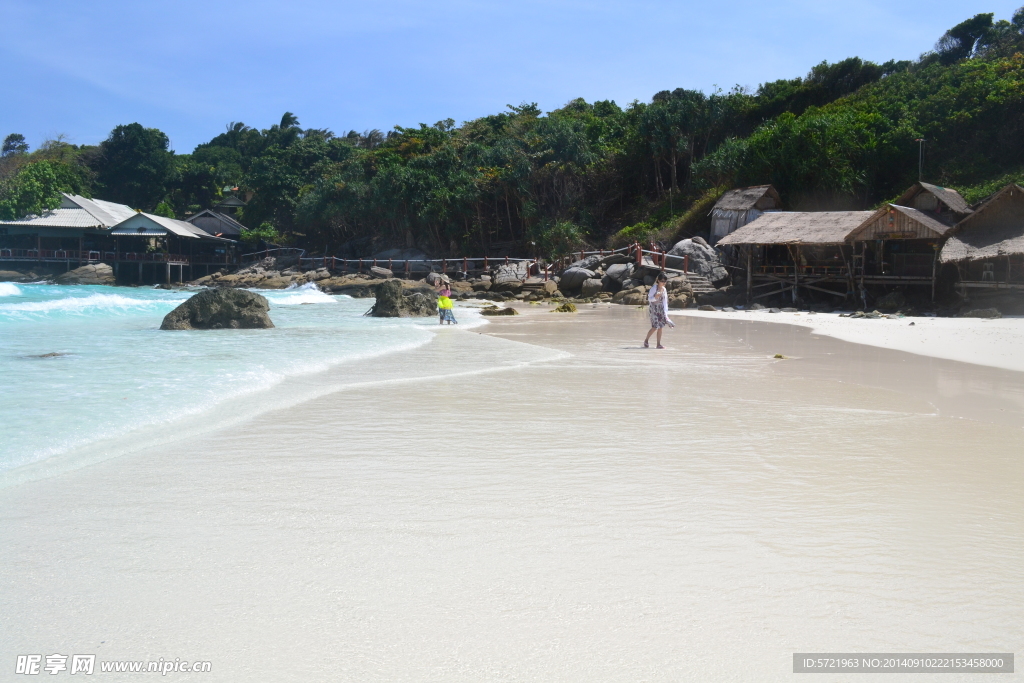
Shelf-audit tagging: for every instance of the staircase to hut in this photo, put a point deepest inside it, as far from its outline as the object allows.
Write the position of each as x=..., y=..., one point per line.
x=699, y=283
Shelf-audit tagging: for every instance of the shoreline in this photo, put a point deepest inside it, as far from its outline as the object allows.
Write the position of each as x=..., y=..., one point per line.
x=542, y=499
x=993, y=343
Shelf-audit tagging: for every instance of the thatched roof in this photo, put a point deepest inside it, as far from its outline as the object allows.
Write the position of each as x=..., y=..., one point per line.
x=996, y=228
x=799, y=227
x=900, y=222
x=951, y=198
x=746, y=198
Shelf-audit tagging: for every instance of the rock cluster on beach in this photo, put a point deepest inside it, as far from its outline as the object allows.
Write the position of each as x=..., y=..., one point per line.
x=394, y=301
x=215, y=309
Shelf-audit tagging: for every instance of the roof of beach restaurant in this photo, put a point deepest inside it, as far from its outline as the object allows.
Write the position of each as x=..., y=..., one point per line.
x=227, y=224
x=746, y=198
x=799, y=227
x=996, y=228
x=951, y=198
x=76, y=212
x=900, y=222
x=148, y=225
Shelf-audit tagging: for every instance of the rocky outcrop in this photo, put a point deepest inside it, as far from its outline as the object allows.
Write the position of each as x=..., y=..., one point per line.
x=703, y=259
x=591, y=287
x=567, y=307
x=573, y=279
x=983, y=313
x=631, y=297
x=215, y=309
x=893, y=301
x=497, y=310
x=92, y=274
x=393, y=301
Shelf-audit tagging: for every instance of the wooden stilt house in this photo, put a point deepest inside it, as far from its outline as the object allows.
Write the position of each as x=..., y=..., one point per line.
x=787, y=250
x=987, y=247
x=736, y=208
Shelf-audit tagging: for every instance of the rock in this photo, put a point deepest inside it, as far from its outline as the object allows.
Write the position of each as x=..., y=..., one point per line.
x=92, y=274
x=756, y=307
x=587, y=263
x=614, y=259
x=482, y=286
x=510, y=273
x=573, y=279
x=983, y=313
x=632, y=283
x=774, y=310
x=381, y=273
x=619, y=297
x=703, y=259
x=220, y=308
x=789, y=309
x=728, y=309
x=497, y=310
x=14, y=276
x=394, y=302
x=591, y=287
x=720, y=297
x=893, y=301
x=565, y=308
x=706, y=307
x=619, y=272
x=680, y=301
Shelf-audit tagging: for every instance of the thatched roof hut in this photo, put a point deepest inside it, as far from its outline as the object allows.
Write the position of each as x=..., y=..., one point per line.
x=799, y=227
x=944, y=204
x=738, y=207
x=894, y=222
x=995, y=228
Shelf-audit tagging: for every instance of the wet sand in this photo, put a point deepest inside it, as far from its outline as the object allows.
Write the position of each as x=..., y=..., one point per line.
x=548, y=501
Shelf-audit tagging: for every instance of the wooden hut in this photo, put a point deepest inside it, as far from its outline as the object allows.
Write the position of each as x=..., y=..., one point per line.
x=941, y=203
x=738, y=207
x=217, y=224
x=786, y=250
x=898, y=245
x=987, y=246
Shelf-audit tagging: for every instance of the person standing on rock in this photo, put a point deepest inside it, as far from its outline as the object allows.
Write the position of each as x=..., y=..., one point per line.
x=444, y=302
x=657, y=308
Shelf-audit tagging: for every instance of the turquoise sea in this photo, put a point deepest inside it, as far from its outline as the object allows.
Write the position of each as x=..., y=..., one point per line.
x=88, y=365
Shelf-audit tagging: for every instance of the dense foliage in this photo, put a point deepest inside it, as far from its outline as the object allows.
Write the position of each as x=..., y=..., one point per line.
x=844, y=136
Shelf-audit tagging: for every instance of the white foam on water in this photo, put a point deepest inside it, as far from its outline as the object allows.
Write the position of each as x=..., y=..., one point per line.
x=9, y=289
x=86, y=304
x=308, y=293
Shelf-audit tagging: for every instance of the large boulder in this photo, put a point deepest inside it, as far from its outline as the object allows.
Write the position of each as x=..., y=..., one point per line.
x=215, y=309
x=588, y=262
x=631, y=297
x=703, y=259
x=591, y=287
x=92, y=274
x=393, y=301
x=509, y=277
x=573, y=279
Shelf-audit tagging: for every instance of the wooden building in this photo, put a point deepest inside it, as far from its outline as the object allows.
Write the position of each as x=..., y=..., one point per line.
x=941, y=203
x=158, y=248
x=217, y=224
x=787, y=250
x=987, y=247
x=739, y=207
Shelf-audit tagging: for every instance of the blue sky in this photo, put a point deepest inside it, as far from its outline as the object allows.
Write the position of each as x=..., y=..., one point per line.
x=189, y=67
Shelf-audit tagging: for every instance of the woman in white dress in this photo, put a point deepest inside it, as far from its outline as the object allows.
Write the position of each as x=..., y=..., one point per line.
x=657, y=308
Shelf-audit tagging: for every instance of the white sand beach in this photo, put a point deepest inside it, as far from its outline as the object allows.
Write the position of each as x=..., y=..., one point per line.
x=543, y=500
x=998, y=343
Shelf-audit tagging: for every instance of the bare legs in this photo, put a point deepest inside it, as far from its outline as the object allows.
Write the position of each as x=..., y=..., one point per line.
x=652, y=331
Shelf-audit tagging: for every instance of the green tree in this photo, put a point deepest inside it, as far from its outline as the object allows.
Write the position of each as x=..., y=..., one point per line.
x=134, y=165
x=14, y=144
x=37, y=187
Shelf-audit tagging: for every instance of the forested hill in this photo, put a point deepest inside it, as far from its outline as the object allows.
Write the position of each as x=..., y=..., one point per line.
x=844, y=136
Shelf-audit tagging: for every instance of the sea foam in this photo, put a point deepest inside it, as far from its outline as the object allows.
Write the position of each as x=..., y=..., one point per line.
x=9, y=289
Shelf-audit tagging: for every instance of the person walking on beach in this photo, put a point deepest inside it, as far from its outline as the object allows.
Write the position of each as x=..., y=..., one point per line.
x=444, y=302
x=657, y=308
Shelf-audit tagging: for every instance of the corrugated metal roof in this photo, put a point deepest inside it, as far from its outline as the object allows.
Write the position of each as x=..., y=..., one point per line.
x=745, y=198
x=148, y=224
x=799, y=227
x=226, y=225
x=77, y=212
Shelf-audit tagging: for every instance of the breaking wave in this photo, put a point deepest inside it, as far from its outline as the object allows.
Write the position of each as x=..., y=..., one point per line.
x=8, y=289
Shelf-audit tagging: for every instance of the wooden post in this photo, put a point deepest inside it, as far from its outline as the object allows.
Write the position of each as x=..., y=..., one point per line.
x=750, y=273
x=407, y=269
x=686, y=263
x=796, y=271
x=360, y=265
x=485, y=263
x=465, y=265
x=935, y=269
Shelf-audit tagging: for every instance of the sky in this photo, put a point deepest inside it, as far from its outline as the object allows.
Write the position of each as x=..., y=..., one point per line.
x=192, y=67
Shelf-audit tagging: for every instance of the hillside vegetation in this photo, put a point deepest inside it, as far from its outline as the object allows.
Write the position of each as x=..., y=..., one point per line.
x=844, y=136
